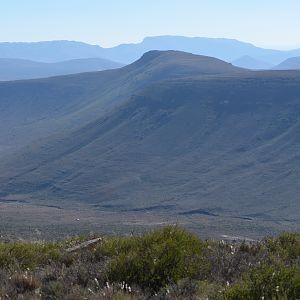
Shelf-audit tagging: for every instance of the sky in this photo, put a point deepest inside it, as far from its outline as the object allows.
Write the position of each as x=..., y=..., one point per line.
x=265, y=23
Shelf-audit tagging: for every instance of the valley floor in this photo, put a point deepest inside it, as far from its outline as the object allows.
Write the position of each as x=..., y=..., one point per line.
x=22, y=220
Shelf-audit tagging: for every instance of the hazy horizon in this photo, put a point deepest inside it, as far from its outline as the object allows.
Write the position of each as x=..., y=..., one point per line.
x=142, y=39
x=264, y=24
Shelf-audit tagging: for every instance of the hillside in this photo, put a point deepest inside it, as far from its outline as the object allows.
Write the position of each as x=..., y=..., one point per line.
x=178, y=146
x=292, y=63
x=16, y=69
x=191, y=135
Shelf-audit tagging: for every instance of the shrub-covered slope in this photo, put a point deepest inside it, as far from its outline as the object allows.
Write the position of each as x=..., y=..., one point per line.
x=169, y=263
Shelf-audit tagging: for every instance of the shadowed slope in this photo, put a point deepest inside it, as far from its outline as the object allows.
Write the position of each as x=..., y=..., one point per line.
x=223, y=145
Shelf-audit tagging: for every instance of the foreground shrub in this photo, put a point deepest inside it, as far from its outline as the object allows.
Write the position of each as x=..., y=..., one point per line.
x=156, y=259
x=267, y=282
x=191, y=289
x=27, y=255
x=24, y=283
x=169, y=263
x=286, y=246
x=229, y=260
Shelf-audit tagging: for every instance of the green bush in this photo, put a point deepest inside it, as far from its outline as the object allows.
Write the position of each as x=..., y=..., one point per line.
x=286, y=246
x=156, y=259
x=28, y=255
x=267, y=282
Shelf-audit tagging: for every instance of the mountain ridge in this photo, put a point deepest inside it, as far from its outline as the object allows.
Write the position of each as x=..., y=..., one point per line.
x=225, y=49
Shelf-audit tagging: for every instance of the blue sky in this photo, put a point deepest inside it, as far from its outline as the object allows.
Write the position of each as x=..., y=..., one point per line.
x=267, y=23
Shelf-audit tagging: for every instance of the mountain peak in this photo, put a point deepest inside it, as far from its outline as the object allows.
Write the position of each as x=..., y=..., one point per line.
x=153, y=54
x=183, y=63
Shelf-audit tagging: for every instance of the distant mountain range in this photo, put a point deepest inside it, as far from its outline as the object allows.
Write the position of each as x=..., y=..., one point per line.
x=172, y=131
x=14, y=69
x=225, y=49
x=251, y=63
x=292, y=63
x=51, y=51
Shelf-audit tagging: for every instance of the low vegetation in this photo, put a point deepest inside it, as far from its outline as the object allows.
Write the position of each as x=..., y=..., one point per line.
x=168, y=263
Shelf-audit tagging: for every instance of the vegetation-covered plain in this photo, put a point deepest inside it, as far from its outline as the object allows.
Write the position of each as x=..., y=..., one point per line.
x=167, y=263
